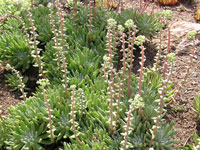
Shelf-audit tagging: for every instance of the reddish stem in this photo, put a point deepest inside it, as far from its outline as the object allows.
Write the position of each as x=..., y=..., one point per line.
x=111, y=103
x=131, y=63
x=141, y=69
x=127, y=127
x=49, y=113
x=74, y=11
x=124, y=58
x=186, y=75
x=163, y=86
x=55, y=34
x=35, y=47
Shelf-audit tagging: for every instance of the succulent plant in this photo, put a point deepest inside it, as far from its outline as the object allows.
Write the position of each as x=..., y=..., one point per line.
x=41, y=18
x=146, y=25
x=14, y=49
x=27, y=135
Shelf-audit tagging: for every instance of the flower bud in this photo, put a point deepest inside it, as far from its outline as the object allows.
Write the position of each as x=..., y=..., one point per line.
x=129, y=24
x=111, y=22
x=139, y=40
x=120, y=28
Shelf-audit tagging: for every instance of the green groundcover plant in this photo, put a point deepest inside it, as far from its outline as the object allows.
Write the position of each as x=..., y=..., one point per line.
x=84, y=100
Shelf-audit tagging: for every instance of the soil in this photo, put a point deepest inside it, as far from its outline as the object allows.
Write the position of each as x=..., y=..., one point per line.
x=181, y=111
x=7, y=98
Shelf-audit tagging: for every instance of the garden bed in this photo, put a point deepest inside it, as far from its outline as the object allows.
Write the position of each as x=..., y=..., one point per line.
x=181, y=111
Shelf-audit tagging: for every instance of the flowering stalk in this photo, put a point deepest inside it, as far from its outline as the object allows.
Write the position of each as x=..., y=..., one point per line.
x=130, y=25
x=36, y=52
x=124, y=58
x=171, y=58
x=157, y=59
x=63, y=43
x=73, y=114
x=141, y=69
x=191, y=36
x=49, y=113
x=74, y=11
x=111, y=98
x=90, y=20
x=139, y=42
x=64, y=70
x=166, y=57
x=111, y=25
x=43, y=83
x=111, y=88
x=61, y=20
x=134, y=104
x=118, y=94
x=127, y=127
x=123, y=50
x=164, y=84
x=56, y=36
x=22, y=85
x=146, y=4
x=159, y=52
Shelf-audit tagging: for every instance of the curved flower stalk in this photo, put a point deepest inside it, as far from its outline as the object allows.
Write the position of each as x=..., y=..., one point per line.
x=23, y=26
x=165, y=15
x=22, y=85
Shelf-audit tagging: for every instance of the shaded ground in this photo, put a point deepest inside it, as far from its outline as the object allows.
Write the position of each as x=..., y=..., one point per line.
x=7, y=98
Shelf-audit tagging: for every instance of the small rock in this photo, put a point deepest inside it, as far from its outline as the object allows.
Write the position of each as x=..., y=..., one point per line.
x=179, y=32
x=181, y=28
x=195, y=74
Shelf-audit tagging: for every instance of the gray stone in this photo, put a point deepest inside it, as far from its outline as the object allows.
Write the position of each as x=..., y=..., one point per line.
x=179, y=32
